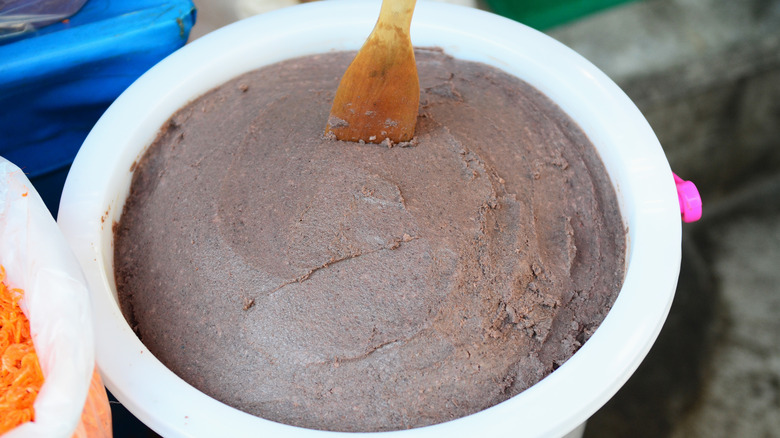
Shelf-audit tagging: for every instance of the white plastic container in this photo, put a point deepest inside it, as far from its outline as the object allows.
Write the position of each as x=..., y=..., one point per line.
x=100, y=177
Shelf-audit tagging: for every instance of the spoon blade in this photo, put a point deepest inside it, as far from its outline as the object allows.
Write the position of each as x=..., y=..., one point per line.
x=379, y=94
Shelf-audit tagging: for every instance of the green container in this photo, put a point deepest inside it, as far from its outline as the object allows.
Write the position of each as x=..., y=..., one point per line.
x=544, y=14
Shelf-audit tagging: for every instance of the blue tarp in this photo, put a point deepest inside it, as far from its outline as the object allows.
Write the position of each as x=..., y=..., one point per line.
x=56, y=82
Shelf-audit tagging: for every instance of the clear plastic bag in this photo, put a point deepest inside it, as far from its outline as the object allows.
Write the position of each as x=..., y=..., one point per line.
x=38, y=260
x=21, y=16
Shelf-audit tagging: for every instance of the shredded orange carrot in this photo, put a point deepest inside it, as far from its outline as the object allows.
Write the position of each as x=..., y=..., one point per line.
x=96, y=416
x=20, y=372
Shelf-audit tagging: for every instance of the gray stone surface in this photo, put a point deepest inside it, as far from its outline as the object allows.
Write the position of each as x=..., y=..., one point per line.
x=715, y=369
x=654, y=36
x=706, y=74
x=740, y=396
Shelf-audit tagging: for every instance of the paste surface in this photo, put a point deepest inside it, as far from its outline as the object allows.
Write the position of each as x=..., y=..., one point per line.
x=357, y=287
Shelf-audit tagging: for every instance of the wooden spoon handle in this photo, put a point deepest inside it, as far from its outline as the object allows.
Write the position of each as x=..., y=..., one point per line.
x=391, y=33
x=395, y=13
x=378, y=95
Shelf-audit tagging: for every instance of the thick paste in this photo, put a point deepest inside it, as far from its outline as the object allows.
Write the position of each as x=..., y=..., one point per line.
x=361, y=287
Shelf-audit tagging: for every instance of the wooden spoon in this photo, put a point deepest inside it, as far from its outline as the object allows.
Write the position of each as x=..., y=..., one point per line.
x=378, y=95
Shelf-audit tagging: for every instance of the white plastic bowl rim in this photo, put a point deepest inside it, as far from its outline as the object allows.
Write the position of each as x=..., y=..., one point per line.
x=100, y=176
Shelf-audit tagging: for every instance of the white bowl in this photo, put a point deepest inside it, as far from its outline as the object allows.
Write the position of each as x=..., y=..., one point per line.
x=99, y=180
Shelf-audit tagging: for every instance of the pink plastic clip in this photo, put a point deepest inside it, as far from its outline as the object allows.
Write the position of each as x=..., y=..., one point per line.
x=690, y=200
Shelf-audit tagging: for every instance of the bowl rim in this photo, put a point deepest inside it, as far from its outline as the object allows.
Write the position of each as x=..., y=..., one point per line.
x=98, y=182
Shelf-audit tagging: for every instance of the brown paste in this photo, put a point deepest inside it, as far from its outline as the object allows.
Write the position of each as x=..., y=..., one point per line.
x=356, y=287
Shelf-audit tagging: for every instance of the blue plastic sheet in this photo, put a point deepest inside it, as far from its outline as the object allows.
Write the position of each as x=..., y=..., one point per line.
x=57, y=81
